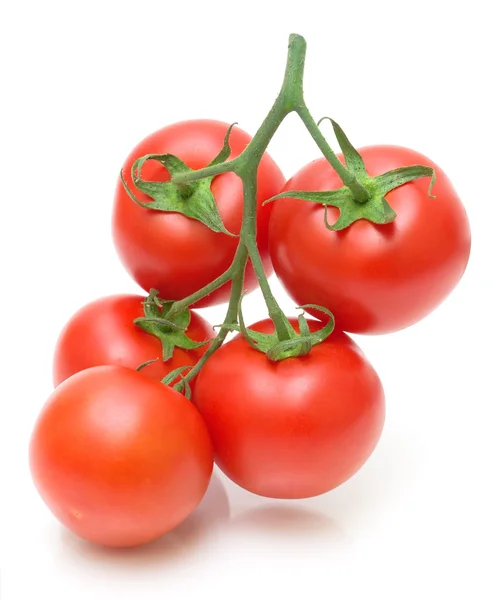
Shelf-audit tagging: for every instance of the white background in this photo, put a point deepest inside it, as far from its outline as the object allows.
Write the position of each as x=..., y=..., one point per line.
x=83, y=82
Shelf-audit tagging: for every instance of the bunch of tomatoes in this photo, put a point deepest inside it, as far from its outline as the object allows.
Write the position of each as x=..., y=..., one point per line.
x=119, y=455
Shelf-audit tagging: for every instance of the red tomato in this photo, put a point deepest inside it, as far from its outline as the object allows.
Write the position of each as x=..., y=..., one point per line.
x=374, y=278
x=103, y=333
x=170, y=252
x=118, y=458
x=295, y=428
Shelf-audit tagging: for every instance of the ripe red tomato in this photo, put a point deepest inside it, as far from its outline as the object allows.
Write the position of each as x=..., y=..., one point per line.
x=103, y=333
x=295, y=428
x=170, y=252
x=374, y=278
x=118, y=458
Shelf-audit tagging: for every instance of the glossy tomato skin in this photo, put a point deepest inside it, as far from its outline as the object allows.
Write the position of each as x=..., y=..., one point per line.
x=295, y=428
x=175, y=254
x=118, y=458
x=374, y=278
x=103, y=333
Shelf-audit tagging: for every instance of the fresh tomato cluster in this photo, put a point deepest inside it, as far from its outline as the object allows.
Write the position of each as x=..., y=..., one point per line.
x=148, y=396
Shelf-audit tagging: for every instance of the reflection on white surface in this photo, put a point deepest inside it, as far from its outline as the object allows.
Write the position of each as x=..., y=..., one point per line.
x=285, y=519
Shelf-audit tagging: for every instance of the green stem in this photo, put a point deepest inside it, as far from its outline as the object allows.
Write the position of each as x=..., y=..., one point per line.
x=292, y=86
x=290, y=99
x=248, y=235
x=230, y=317
x=181, y=305
x=359, y=192
x=290, y=96
x=211, y=171
x=246, y=166
x=185, y=191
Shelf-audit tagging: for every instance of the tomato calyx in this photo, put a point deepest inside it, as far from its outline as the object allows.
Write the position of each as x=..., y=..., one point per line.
x=194, y=200
x=372, y=206
x=297, y=344
x=171, y=332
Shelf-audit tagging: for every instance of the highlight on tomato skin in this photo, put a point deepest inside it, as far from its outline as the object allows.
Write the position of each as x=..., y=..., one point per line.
x=171, y=252
x=295, y=428
x=103, y=333
x=118, y=458
x=374, y=278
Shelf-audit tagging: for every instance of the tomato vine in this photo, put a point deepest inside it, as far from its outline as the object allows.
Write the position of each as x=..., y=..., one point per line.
x=361, y=197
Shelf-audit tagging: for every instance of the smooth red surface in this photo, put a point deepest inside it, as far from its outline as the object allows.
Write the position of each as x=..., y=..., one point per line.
x=374, y=278
x=118, y=458
x=295, y=428
x=171, y=252
x=103, y=333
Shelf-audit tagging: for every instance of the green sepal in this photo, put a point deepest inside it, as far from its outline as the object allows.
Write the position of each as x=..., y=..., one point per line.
x=299, y=344
x=145, y=364
x=182, y=386
x=194, y=200
x=393, y=179
x=224, y=153
x=170, y=332
x=353, y=160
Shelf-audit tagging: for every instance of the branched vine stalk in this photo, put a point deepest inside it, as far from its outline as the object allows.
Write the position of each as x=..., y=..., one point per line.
x=290, y=99
x=361, y=197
